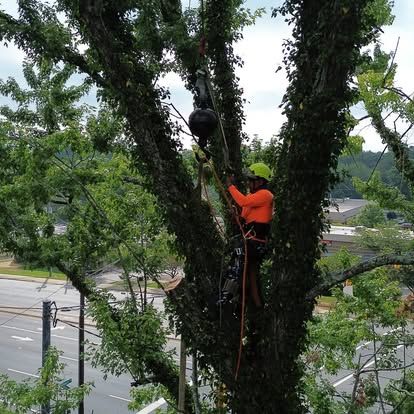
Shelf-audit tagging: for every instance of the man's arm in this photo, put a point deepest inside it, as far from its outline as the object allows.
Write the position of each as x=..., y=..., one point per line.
x=251, y=200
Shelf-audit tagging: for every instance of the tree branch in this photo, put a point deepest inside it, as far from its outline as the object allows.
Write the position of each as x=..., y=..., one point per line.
x=24, y=35
x=184, y=45
x=357, y=270
x=401, y=151
x=399, y=92
x=392, y=63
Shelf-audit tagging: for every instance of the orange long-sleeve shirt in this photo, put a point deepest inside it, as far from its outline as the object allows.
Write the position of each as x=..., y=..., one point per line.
x=256, y=207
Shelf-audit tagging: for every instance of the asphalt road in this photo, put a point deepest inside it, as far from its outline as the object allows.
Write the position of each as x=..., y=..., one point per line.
x=345, y=380
x=20, y=345
x=20, y=342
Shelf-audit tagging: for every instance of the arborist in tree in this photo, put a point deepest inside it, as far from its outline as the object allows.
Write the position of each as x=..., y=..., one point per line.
x=255, y=217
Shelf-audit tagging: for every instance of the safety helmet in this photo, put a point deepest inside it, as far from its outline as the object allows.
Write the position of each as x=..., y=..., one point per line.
x=259, y=170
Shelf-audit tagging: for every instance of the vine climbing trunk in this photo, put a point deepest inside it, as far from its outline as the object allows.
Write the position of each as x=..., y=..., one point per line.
x=322, y=57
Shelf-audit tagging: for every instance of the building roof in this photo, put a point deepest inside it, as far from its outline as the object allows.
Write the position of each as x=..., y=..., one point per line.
x=346, y=204
x=340, y=210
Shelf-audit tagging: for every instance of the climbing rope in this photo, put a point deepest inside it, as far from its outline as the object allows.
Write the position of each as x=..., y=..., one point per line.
x=204, y=85
x=204, y=69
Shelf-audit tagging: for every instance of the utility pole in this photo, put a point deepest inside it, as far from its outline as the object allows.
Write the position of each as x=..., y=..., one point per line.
x=45, y=342
x=81, y=361
x=182, y=380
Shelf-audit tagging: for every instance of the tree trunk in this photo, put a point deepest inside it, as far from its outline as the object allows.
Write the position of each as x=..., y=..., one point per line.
x=315, y=104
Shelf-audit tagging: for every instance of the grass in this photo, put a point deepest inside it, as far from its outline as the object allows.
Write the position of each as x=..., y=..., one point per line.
x=121, y=284
x=326, y=300
x=20, y=271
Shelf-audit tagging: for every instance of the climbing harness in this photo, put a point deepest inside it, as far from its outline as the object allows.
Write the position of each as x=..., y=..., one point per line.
x=230, y=290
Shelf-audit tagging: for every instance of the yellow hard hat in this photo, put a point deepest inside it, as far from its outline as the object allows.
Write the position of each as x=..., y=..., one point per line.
x=259, y=170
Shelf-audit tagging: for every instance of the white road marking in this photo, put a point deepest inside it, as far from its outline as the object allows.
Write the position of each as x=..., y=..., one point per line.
x=384, y=334
x=37, y=333
x=19, y=329
x=361, y=346
x=70, y=359
x=53, y=329
x=21, y=338
x=341, y=381
x=365, y=344
x=65, y=337
x=119, y=398
x=22, y=372
x=32, y=411
x=370, y=363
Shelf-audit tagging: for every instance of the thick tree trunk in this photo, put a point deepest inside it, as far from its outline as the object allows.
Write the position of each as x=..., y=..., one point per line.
x=314, y=135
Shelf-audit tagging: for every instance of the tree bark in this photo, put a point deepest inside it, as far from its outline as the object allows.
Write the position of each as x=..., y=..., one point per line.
x=314, y=135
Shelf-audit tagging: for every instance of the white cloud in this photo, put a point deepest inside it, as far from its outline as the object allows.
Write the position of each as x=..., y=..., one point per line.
x=264, y=122
x=172, y=80
x=10, y=55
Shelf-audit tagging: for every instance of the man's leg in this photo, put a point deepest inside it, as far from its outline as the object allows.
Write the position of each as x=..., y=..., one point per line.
x=253, y=272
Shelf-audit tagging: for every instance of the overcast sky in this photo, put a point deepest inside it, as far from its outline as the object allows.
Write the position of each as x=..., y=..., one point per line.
x=261, y=50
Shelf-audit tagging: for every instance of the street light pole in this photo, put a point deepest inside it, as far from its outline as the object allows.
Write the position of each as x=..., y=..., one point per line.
x=182, y=379
x=81, y=361
x=45, y=342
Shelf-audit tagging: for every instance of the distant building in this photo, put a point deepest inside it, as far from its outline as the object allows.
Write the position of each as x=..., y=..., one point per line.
x=342, y=209
x=346, y=237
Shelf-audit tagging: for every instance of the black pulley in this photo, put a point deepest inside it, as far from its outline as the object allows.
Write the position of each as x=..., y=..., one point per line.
x=202, y=123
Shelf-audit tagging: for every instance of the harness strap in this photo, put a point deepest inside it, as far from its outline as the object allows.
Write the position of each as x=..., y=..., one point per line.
x=251, y=235
x=264, y=241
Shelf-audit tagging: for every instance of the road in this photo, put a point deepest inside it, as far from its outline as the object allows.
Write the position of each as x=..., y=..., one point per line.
x=20, y=344
x=344, y=381
x=20, y=341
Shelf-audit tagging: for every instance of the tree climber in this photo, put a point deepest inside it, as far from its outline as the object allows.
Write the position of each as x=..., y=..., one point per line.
x=256, y=215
